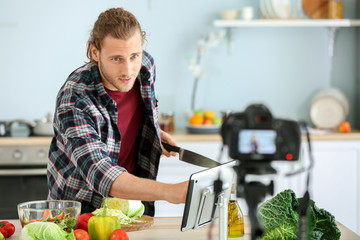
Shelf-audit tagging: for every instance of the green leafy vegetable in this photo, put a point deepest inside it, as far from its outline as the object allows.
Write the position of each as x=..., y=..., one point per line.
x=281, y=219
x=139, y=212
x=131, y=208
x=113, y=213
x=68, y=224
x=134, y=207
x=44, y=230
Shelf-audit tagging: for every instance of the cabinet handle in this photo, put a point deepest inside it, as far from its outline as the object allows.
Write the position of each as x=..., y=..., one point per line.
x=23, y=172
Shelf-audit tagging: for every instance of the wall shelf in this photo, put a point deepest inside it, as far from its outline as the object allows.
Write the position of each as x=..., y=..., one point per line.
x=289, y=23
x=331, y=24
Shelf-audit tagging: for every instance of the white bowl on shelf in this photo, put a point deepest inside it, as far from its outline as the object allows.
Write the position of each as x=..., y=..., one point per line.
x=231, y=14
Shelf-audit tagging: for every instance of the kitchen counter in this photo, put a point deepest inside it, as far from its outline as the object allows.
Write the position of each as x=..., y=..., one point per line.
x=181, y=136
x=167, y=228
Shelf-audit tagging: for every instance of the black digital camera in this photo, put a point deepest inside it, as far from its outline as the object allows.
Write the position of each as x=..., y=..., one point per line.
x=254, y=135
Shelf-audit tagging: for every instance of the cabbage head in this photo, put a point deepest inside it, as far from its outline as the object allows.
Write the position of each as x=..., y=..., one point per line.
x=44, y=231
x=281, y=220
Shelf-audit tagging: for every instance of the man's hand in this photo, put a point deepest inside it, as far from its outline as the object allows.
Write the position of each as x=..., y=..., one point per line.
x=167, y=138
x=176, y=193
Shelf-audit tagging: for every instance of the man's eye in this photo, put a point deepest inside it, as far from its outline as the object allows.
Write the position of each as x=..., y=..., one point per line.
x=116, y=59
x=134, y=56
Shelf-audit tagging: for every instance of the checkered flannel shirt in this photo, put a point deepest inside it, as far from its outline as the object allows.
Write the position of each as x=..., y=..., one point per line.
x=85, y=148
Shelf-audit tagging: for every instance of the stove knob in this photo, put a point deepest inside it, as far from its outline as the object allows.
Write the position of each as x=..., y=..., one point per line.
x=17, y=154
x=41, y=153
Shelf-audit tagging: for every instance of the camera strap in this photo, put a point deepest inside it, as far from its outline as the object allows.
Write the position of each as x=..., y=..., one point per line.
x=305, y=201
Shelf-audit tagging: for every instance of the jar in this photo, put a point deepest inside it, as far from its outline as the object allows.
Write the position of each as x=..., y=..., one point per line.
x=167, y=122
x=335, y=9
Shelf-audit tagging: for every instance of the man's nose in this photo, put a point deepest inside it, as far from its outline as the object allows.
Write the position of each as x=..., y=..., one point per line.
x=126, y=68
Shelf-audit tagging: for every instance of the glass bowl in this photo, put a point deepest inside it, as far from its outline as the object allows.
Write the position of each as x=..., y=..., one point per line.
x=57, y=211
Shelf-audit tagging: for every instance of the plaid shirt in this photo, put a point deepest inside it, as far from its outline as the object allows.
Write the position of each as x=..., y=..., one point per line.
x=85, y=148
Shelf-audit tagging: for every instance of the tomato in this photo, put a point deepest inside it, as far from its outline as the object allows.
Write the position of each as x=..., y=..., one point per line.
x=81, y=234
x=119, y=234
x=4, y=232
x=7, y=229
x=83, y=221
x=10, y=228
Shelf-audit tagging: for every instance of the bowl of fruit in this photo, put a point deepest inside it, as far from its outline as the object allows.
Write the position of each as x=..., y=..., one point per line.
x=204, y=122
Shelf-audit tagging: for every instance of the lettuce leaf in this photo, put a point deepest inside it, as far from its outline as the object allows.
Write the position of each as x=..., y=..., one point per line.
x=114, y=213
x=44, y=230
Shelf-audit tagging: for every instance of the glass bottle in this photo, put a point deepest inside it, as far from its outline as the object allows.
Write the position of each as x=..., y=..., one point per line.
x=335, y=9
x=235, y=216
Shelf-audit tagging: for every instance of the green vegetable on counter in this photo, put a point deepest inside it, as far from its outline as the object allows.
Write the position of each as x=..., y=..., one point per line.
x=2, y=236
x=131, y=208
x=65, y=221
x=44, y=231
x=101, y=227
x=281, y=219
x=123, y=219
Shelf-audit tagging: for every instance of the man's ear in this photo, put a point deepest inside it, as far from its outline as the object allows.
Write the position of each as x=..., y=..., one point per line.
x=94, y=53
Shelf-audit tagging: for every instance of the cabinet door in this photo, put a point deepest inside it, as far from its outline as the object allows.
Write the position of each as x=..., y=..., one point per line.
x=335, y=182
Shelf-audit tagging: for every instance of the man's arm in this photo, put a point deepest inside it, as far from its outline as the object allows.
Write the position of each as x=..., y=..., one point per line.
x=128, y=186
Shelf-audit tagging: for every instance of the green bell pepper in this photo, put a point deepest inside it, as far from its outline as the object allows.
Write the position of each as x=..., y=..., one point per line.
x=101, y=227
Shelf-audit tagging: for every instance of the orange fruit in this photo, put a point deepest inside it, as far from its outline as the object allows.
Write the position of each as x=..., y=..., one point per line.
x=196, y=119
x=208, y=122
x=209, y=115
x=344, y=127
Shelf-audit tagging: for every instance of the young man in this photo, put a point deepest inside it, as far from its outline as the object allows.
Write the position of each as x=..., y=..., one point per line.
x=107, y=139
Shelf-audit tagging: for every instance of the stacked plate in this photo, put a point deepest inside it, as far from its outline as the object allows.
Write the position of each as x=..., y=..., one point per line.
x=280, y=9
x=329, y=108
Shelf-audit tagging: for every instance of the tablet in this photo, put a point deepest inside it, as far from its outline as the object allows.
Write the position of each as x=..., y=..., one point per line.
x=200, y=206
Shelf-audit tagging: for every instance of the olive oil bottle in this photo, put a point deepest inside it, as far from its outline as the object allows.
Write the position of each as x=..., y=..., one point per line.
x=235, y=216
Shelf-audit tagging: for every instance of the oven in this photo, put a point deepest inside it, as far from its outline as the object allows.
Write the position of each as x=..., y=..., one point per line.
x=22, y=176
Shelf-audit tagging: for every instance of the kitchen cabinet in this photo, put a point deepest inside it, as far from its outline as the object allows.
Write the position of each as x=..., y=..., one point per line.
x=332, y=24
x=335, y=179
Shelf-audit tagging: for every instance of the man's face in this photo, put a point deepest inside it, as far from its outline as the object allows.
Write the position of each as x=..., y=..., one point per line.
x=119, y=61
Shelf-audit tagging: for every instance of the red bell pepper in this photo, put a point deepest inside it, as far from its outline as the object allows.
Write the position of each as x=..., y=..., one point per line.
x=83, y=221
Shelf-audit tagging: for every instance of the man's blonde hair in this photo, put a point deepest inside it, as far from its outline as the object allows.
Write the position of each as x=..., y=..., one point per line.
x=117, y=22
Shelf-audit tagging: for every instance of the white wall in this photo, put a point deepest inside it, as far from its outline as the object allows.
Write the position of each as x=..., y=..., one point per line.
x=43, y=41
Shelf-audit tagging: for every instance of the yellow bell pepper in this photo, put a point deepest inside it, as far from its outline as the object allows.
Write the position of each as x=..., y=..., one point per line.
x=101, y=227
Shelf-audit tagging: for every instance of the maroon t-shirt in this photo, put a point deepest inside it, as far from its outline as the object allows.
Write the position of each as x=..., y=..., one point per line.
x=131, y=109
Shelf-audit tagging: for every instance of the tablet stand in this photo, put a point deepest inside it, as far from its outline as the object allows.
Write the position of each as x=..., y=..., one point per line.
x=223, y=218
x=222, y=206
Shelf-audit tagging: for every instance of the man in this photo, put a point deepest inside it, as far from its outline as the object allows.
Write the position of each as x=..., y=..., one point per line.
x=107, y=140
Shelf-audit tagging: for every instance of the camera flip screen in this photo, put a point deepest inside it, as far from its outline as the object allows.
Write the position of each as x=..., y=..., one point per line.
x=257, y=141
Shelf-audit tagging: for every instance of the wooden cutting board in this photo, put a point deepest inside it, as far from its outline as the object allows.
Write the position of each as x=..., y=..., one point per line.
x=317, y=9
x=146, y=223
